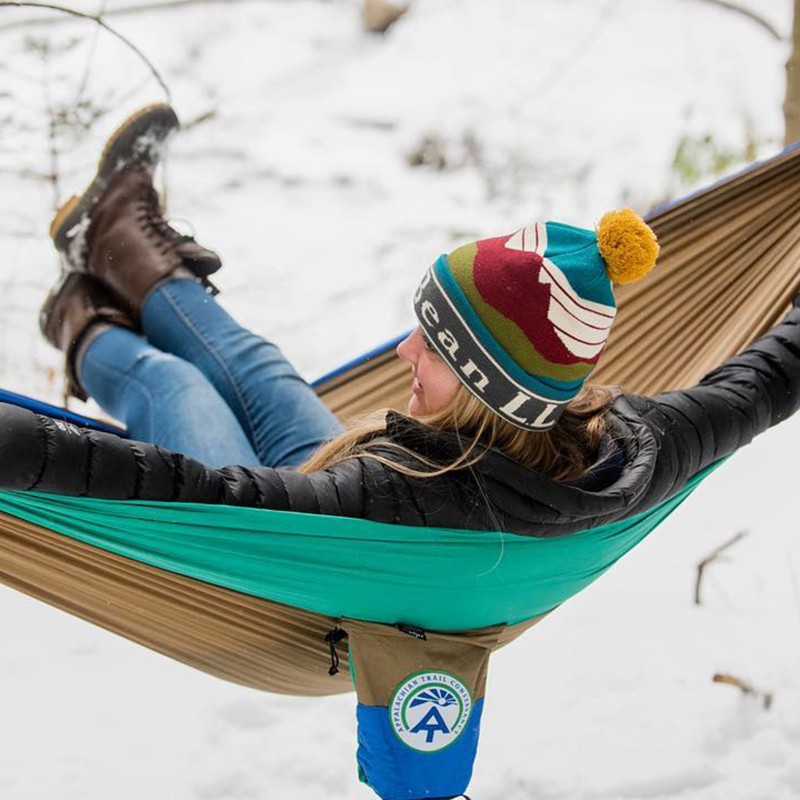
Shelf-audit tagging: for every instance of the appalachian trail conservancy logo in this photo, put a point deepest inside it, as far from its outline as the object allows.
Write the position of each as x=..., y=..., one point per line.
x=429, y=710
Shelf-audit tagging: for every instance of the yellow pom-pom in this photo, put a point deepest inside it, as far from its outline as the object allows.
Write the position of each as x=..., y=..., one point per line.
x=627, y=244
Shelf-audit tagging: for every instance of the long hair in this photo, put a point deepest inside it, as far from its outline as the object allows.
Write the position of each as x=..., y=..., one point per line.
x=563, y=453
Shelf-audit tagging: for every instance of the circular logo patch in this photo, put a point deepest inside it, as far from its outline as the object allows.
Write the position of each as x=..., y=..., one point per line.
x=429, y=710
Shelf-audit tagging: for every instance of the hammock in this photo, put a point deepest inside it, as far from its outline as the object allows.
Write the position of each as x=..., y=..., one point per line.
x=248, y=594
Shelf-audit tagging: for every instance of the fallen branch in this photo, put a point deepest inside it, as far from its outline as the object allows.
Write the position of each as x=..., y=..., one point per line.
x=103, y=24
x=713, y=556
x=746, y=688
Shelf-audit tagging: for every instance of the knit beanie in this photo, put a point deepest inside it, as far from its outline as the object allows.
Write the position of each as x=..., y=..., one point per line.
x=522, y=319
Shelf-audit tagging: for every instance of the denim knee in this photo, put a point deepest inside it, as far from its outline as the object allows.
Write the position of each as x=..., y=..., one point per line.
x=165, y=375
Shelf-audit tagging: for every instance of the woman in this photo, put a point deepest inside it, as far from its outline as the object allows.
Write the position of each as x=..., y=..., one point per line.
x=146, y=340
x=501, y=432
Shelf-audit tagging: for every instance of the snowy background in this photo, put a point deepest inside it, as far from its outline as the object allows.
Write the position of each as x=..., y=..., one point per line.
x=329, y=167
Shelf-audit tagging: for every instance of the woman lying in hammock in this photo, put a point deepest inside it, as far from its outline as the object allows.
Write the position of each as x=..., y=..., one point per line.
x=501, y=431
x=509, y=329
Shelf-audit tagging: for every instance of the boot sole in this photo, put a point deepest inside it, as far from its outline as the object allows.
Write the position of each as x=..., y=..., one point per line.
x=137, y=140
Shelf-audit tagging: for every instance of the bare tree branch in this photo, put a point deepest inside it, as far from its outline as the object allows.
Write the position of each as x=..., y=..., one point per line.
x=135, y=8
x=92, y=49
x=52, y=139
x=103, y=24
x=713, y=556
x=751, y=15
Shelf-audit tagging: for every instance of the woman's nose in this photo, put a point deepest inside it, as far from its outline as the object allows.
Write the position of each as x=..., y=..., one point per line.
x=406, y=350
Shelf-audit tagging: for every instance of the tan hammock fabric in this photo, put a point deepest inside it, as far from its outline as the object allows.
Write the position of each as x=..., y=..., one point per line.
x=729, y=268
x=242, y=639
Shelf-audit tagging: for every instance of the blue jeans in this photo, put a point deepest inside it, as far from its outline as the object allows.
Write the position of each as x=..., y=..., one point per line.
x=200, y=384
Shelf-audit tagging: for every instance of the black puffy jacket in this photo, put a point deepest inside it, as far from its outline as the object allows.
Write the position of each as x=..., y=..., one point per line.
x=665, y=440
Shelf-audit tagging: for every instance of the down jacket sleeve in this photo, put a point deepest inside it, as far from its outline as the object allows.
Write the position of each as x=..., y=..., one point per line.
x=732, y=404
x=39, y=453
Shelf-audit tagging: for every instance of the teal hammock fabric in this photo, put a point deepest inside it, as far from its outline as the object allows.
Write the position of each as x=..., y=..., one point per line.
x=435, y=578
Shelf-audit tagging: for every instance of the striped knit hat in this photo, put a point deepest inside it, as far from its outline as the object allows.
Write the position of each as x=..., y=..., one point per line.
x=522, y=319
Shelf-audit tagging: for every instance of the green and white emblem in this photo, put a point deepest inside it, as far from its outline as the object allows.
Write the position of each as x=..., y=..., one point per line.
x=430, y=710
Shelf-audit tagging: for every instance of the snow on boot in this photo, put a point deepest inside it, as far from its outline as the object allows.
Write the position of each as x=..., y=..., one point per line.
x=138, y=144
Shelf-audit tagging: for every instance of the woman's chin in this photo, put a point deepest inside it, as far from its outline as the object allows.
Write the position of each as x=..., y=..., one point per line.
x=414, y=407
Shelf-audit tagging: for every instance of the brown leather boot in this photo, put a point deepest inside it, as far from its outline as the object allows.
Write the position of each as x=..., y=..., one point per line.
x=116, y=230
x=129, y=245
x=72, y=308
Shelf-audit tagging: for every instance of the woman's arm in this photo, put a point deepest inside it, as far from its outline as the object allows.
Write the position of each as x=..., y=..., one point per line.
x=747, y=394
x=38, y=453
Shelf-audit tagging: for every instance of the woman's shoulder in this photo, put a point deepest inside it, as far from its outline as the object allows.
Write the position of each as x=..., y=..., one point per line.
x=607, y=467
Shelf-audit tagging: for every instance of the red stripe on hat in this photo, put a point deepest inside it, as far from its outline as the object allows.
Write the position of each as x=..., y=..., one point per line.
x=508, y=281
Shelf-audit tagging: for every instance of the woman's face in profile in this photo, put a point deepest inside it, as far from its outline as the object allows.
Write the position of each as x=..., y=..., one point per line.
x=434, y=384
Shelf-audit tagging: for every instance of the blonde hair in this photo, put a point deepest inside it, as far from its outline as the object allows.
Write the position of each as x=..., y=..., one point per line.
x=563, y=453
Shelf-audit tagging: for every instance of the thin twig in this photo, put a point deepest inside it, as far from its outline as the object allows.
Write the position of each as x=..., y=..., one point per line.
x=732, y=680
x=52, y=139
x=143, y=8
x=25, y=174
x=105, y=26
x=200, y=119
x=92, y=49
x=713, y=556
x=751, y=15
x=122, y=99
x=137, y=8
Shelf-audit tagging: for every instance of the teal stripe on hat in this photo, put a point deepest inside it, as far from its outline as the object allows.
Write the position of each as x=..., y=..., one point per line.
x=560, y=391
x=575, y=253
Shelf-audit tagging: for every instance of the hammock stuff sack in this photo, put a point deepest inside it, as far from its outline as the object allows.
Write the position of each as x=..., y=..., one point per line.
x=263, y=597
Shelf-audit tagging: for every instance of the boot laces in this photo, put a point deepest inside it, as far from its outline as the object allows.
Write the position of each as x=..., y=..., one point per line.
x=156, y=227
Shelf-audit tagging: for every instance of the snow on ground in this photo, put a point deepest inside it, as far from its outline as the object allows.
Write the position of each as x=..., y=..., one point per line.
x=296, y=169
